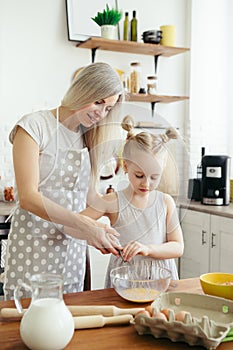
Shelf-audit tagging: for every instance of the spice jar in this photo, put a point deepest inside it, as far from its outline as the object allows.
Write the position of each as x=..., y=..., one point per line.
x=152, y=84
x=110, y=189
x=135, y=77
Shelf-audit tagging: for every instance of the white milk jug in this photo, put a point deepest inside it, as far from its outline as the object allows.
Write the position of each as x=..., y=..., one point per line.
x=47, y=324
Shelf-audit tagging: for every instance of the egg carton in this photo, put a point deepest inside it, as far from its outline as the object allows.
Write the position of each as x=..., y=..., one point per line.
x=207, y=319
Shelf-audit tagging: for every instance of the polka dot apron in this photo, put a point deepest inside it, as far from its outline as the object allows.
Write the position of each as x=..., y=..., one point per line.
x=36, y=245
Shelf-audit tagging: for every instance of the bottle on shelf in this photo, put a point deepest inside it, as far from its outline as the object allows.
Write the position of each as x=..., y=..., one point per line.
x=126, y=26
x=134, y=28
x=199, y=166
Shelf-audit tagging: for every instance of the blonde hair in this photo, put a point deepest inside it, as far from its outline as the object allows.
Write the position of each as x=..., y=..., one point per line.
x=149, y=142
x=156, y=145
x=93, y=83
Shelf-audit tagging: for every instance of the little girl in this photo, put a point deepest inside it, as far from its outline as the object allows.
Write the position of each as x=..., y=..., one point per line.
x=145, y=217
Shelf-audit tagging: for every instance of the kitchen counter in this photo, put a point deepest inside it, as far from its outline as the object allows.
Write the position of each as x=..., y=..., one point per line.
x=109, y=337
x=221, y=210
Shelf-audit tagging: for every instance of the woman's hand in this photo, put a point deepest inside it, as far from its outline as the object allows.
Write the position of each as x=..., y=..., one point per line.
x=97, y=234
x=134, y=248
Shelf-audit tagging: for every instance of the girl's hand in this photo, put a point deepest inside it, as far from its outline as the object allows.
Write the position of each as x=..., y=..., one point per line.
x=134, y=248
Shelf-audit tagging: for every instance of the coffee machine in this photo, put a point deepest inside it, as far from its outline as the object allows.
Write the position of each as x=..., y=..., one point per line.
x=215, y=180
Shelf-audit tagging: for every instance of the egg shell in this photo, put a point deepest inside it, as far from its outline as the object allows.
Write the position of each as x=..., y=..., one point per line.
x=180, y=316
x=149, y=309
x=143, y=312
x=166, y=313
x=160, y=316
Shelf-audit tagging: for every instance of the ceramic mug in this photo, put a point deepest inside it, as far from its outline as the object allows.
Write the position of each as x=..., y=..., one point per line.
x=168, y=35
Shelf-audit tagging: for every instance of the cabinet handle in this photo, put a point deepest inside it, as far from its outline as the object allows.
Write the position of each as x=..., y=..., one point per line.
x=203, y=241
x=212, y=240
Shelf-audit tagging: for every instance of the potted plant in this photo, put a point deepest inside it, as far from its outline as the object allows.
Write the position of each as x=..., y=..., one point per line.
x=108, y=20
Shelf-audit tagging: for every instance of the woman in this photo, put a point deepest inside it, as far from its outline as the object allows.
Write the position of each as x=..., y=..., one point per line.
x=54, y=153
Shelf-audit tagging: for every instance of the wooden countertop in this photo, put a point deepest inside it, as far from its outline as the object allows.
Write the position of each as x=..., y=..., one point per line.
x=108, y=337
x=220, y=210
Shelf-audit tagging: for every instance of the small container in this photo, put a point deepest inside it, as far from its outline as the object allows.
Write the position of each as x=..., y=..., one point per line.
x=9, y=194
x=110, y=189
x=152, y=84
x=168, y=35
x=135, y=77
x=142, y=90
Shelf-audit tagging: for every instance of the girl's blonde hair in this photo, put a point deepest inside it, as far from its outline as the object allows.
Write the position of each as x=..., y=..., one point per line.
x=156, y=145
x=149, y=142
x=93, y=83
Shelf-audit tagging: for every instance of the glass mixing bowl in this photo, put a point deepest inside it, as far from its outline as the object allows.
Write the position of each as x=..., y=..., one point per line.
x=140, y=283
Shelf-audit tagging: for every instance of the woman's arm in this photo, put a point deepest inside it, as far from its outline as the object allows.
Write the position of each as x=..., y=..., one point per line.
x=106, y=205
x=174, y=246
x=26, y=166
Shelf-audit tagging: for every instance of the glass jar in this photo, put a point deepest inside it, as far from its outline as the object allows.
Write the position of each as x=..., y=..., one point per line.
x=135, y=77
x=152, y=84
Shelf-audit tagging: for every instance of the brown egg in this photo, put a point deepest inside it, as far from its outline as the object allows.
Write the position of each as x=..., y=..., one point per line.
x=166, y=313
x=180, y=316
x=160, y=315
x=149, y=309
x=143, y=312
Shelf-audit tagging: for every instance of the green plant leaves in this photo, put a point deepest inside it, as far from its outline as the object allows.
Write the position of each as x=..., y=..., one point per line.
x=108, y=16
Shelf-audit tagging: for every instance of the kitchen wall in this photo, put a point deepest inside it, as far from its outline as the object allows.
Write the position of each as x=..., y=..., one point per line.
x=37, y=61
x=211, y=77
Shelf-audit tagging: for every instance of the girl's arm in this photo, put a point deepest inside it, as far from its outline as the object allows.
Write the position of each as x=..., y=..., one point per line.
x=26, y=166
x=174, y=246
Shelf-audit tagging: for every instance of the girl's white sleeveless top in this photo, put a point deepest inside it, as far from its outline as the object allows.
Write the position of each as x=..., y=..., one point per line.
x=147, y=226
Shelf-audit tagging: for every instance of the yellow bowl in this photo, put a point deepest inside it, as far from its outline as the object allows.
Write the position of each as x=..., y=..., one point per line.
x=218, y=284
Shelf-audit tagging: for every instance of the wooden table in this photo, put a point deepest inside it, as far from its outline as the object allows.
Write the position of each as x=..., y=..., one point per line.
x=109, y=337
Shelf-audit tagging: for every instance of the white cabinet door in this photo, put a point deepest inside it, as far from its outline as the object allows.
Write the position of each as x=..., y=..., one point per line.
x=221, y=244
x=196, y=229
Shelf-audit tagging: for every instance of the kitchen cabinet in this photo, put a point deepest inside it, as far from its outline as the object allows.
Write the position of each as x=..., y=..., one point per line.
x=95, y=43
x=208, y=242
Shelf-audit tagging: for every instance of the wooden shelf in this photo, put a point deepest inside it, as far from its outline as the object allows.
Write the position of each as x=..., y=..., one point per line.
x=130, y=47
x=156, y=50
x=154, y=98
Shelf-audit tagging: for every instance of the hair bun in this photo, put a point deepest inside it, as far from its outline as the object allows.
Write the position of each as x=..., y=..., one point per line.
x=127, y=123
x=170, y=133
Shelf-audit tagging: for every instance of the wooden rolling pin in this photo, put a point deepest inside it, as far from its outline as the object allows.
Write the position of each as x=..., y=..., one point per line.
x=96, y=321
x=81, y=310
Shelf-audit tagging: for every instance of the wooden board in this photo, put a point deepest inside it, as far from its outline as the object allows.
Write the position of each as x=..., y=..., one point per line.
x=130, y=47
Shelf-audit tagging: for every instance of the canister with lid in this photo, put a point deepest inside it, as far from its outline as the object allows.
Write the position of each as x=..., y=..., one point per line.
x=135, y=77
x=152, y=84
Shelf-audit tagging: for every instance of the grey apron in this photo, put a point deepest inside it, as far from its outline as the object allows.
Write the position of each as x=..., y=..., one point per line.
x=36, y=245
